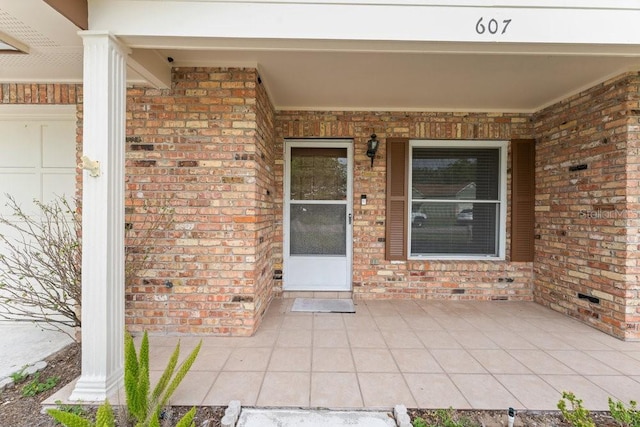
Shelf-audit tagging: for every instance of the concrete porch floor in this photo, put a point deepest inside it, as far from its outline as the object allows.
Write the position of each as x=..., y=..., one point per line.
x=427, y=354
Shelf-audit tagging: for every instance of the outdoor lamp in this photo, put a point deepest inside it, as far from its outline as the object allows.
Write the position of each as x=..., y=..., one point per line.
x=372, y=147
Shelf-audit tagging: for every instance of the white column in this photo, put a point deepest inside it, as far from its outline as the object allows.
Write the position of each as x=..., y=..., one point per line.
x=102, y=217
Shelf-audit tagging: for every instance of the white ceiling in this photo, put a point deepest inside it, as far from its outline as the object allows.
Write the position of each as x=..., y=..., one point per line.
x=317, y=75
x=415, y=80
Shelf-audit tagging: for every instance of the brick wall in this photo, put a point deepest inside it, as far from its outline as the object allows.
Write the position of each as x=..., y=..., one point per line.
x=586, y=257
x=201, y=149
x=265, y=190
x=34, y=93
x=373, y=277
x=632, y=291
x=209, y=150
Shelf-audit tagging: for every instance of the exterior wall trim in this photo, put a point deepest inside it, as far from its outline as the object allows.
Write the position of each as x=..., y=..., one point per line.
x=37, y=111
x=530, y=22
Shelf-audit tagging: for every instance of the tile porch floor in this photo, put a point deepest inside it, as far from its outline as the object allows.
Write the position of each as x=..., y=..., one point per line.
x=428, y=354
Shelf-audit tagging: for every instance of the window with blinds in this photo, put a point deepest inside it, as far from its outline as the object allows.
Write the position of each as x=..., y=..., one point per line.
x=456, y=193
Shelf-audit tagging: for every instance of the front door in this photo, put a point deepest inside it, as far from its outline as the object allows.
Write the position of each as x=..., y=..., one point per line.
x=318, y=216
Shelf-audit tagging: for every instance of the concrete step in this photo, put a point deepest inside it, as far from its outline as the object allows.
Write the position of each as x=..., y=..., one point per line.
x=251, y=417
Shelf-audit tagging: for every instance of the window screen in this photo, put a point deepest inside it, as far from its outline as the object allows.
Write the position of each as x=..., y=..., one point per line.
x=455, y=201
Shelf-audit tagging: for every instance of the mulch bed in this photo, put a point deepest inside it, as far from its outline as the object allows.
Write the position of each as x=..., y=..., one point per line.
x=18, y=411
x=475, y=418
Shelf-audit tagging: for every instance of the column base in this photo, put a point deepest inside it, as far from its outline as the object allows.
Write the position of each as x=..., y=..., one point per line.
x=95, y=388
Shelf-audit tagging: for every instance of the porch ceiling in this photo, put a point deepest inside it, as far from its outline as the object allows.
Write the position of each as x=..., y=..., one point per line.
x=414, y=77
x=342, y=75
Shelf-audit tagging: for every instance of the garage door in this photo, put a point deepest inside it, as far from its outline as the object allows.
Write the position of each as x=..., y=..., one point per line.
x=37, y=156
x=38, y=153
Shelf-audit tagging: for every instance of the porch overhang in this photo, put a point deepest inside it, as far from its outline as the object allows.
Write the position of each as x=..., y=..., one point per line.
x=393, y=56
x=414, y=55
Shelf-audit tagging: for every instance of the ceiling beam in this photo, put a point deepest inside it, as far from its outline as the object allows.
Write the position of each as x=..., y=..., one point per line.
x=12, y=45
x=151, y=66
x=76, y=11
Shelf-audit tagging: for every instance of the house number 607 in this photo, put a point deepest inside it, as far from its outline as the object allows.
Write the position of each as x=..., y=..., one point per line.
x=492, y=26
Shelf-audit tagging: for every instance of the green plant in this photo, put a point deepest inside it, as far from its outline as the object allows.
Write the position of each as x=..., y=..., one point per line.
x=187, y=419
x=72, y=409
x=145, y=406
x=445, y=418
x=40, y=270
x=441, y=418
x=104, y=417
x=19, y=376
x=35, y=386
x=419, y=422
x=577, y=415
x=627, y=416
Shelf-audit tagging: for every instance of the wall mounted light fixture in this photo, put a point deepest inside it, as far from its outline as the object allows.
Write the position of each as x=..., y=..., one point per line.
x=372, y=147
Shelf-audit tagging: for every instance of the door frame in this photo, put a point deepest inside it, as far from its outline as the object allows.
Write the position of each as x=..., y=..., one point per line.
x=316, y=143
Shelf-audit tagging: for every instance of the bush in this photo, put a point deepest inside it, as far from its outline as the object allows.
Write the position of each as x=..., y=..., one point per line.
x=628, y=417
x=40, y=273
x=576, y=416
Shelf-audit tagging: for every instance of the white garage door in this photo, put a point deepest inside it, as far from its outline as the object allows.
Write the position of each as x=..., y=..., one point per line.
x=37, y=156
x=37, y=153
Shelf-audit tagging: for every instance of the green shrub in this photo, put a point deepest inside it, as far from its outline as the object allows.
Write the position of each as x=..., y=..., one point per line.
x=419, y=422
x=73, y=409
x=446, y=419
x=104, y=417
x=34, y=386
x=628, y=417
x=442, y=418
x=577, y=416
x=19, y=376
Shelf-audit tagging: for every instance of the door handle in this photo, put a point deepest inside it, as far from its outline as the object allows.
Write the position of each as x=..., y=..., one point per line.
x=350, y=219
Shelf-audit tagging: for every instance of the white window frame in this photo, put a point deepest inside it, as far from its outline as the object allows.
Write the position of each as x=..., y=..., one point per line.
x=501, y=239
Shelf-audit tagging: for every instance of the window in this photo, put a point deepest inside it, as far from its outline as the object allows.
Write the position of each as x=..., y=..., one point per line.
x=456, y=195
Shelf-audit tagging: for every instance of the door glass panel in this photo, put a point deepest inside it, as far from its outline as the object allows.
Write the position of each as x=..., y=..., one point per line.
x=318, y=229
x=318, y=173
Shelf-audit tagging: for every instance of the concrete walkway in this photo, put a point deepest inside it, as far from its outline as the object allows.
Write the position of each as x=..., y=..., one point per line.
x=23, y=343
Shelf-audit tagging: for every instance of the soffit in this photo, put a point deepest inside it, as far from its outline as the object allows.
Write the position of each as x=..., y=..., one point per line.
x=54, y=48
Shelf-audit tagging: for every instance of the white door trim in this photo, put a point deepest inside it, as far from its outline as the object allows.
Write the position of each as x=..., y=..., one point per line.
x=35, y=112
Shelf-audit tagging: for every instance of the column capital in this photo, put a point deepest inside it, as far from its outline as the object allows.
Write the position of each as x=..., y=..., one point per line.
x=90, y=37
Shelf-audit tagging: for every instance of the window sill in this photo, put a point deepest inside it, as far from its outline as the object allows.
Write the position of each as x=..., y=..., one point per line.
x=456, y=258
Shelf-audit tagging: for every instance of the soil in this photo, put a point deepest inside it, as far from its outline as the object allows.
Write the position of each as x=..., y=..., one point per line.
x=474, y=418
x=19, y=411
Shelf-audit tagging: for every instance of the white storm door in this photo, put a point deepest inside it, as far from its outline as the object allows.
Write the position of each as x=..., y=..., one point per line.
x=318, y=216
